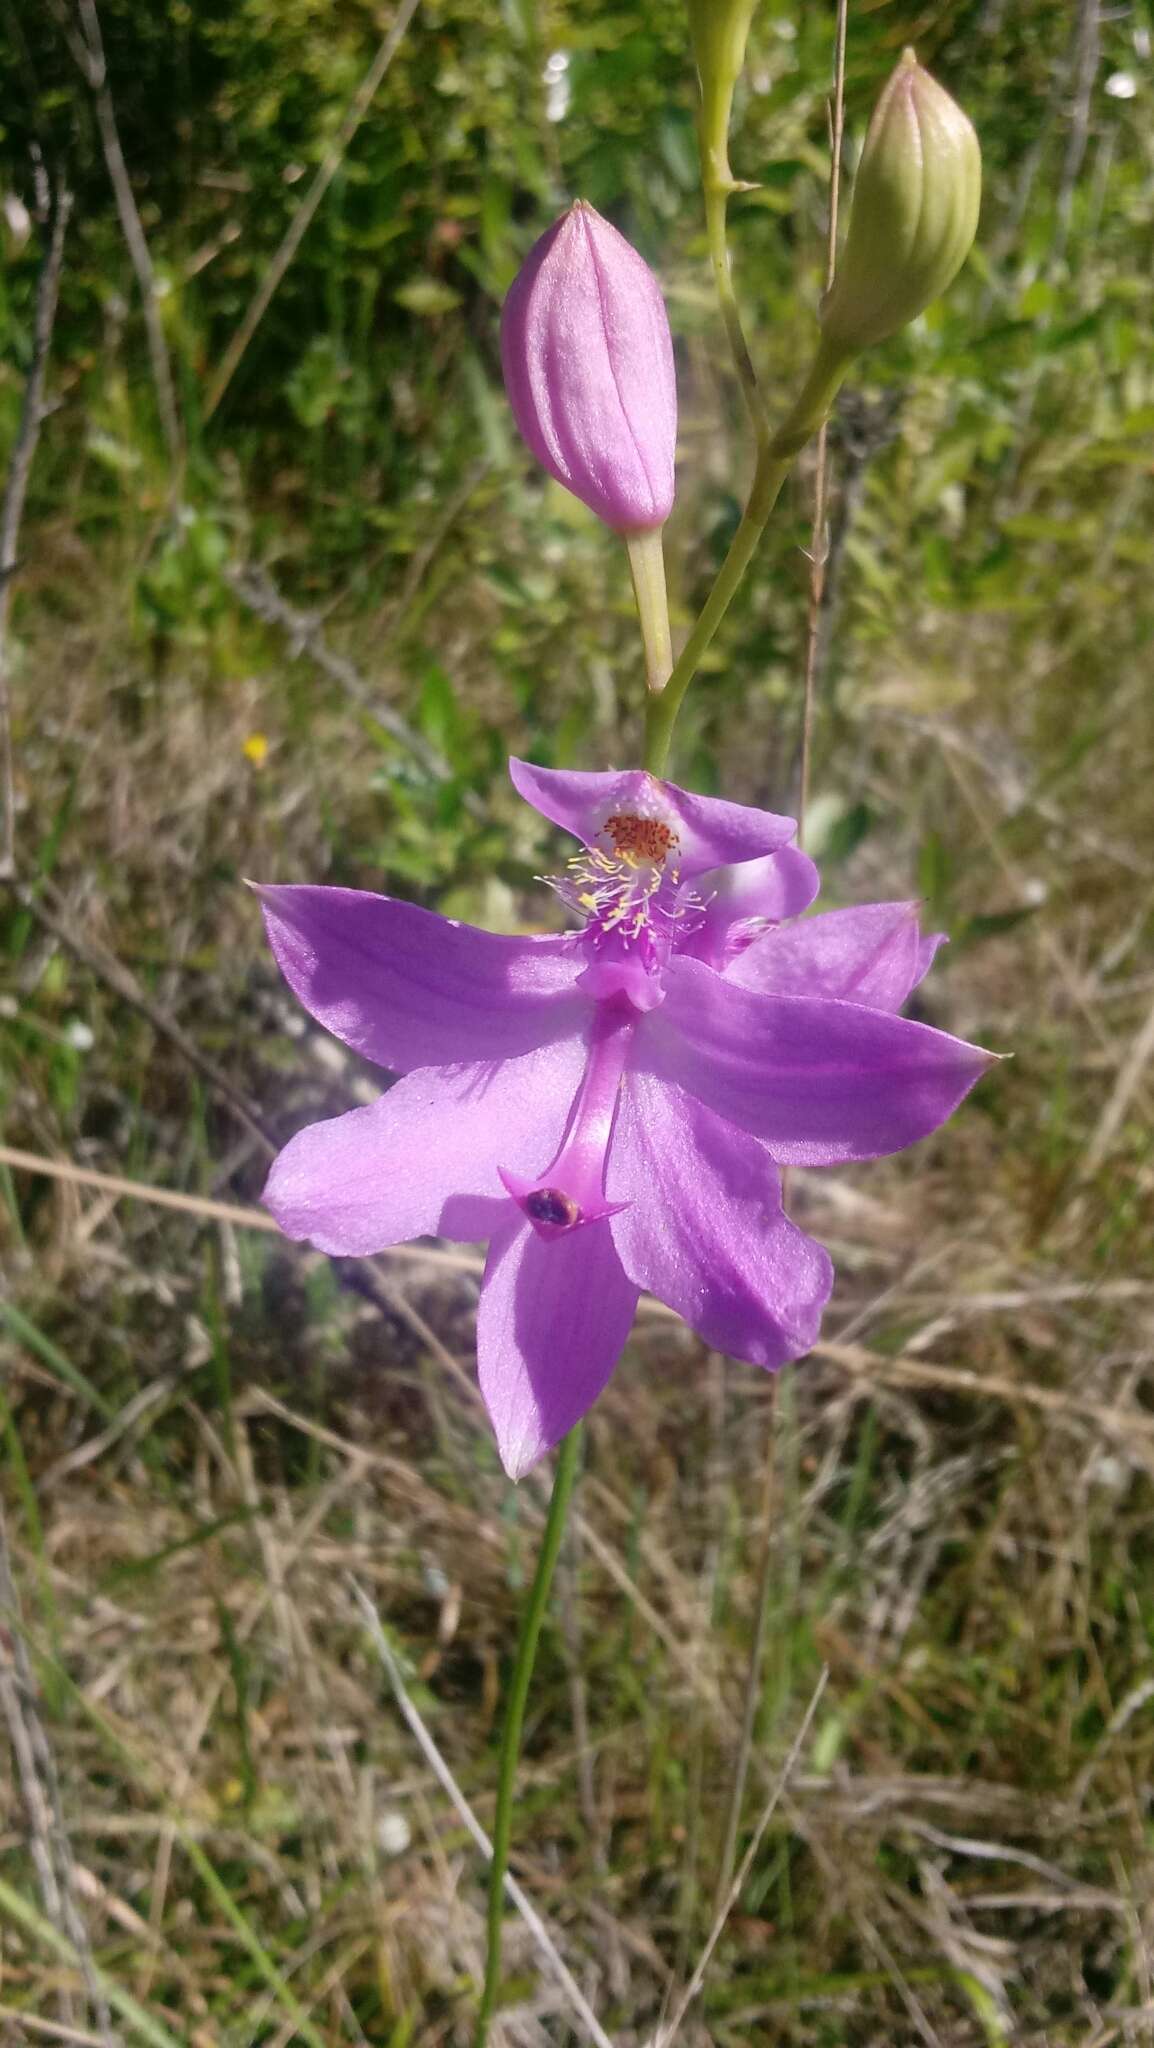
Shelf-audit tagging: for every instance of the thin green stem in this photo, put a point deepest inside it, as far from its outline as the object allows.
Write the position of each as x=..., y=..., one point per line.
x=647, y=568
x=716, y=203
x=819, y=544
x=774, y=462
x=568, y=1459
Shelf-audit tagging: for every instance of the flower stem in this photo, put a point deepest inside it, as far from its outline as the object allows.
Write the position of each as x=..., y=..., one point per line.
x=647, y=568
x=566, y=1472
x=774, y=462
x=717, y=191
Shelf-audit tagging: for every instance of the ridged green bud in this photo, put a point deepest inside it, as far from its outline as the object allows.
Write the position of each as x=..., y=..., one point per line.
x=719, y=30
x=914, y=213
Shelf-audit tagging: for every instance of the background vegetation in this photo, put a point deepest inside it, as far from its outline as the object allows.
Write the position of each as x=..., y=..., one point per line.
x=294, y=634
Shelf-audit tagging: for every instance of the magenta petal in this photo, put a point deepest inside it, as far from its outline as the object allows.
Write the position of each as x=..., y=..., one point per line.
x=708, y=832
x=588, y=363
x=423, y=1160
x=410, y=989
x=927, y=953
x=740, y=898
x=705, y=1231
x=818, y=1081
x=551, y=1325
x=872, y=954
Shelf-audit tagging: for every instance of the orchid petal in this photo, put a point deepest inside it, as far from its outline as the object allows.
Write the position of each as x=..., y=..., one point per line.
x=927, y=953
x=423, y=1160
x=739, y=900
x=872, y=954
x=704, y=1230
x=410, y=989
x=708, y=831
x=552, y=1323
x=819, y=1081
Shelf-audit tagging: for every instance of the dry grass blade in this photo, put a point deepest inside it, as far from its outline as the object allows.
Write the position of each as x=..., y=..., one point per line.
x=138, y=1191
x=47, y=1836
x=358, y=107
x=238, y=1214
x=751, y=1699
x=446, y=1780
x=669, y=2031
x=87, y=46
x=125, y=985
x=51, y=2030
x=1130, y=1425
x=1130, y=1075
x=15, y=490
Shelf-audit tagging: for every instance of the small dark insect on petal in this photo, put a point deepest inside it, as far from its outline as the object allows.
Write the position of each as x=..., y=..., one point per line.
x=549, y=1205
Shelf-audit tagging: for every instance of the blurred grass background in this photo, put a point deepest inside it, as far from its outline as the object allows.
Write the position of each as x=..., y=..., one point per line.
x=297, y=638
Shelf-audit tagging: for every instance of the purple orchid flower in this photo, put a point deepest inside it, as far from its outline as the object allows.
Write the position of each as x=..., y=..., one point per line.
x=609, y=1107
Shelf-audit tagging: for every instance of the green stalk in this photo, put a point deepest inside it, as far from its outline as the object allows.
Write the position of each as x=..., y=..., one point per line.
x=774, y=462
x=716, y=204
x=647, y=568
x=567, y=1462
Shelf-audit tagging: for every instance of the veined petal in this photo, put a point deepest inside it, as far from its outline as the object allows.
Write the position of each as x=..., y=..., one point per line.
x=819, y=1081
x=873, y=954
x=423, y=1160
x=695, y=833
x=410, y=989
x=704, y=1230
x=551, y=1325
x=739, y=899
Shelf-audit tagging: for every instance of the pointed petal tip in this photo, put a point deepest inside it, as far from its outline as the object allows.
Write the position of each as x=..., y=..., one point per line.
x=274, y=897
x=819, y=1080
x=518, y=1459
x=266, y=893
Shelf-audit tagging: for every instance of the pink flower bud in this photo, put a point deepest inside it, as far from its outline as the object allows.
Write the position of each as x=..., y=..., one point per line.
x=588, y=363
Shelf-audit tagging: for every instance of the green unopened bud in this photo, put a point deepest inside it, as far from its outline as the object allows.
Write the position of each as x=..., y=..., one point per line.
x=914, y=213
x=719, y=30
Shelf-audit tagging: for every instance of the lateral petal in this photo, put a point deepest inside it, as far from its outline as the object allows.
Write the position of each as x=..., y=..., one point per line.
x=410, y=989
x=872, y=954
x=423, y=1160
x=552, y=1323
x=741, y=899
x=704, y=1230
x=820, y=1082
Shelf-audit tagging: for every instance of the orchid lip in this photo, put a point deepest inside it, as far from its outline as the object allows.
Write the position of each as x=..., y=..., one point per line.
x=571, y=1190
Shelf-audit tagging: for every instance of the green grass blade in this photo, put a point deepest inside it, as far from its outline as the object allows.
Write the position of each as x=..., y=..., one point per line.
x=25, y=1914
x=47, y=1352
x=215, y=1884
